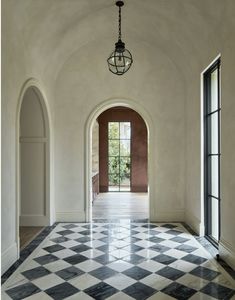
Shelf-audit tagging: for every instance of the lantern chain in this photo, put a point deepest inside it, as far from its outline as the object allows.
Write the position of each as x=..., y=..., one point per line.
x=119, y=24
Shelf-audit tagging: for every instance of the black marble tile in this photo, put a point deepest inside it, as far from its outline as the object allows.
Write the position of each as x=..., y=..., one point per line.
x=152, y=232
x=80, y=248
x=27, y=251
x=136, y=273
x=54, y=248
x=170, y=273
x=139, y=291
x=22, y=291
x=194, y=259
x=46, y=259
x=179, y=239
x=105, y=248
x=133, y=232
x=132, y=248
x=106, y=232
x=217, y=291
x=155, y=239
x=173, y=232
x=159, y=248
x=204, y=273
x=101, y=291
x=87, y=232
x=89, y=226
x=75, y=259
x=61, y=291
x=149, y=226
x=70, y=226
x=131, y=239
x=35, y=273
x=84, y=239
x=105, y=259
x=69, y=273
x=103, y=273
x=60, y=239
x=65, y=232
x=134, y=259
x=164, y=259
x=178, y=291
x=169, y=226
x=186, y=248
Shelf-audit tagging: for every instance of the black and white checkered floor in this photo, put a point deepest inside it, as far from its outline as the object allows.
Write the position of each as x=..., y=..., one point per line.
x=119, y=261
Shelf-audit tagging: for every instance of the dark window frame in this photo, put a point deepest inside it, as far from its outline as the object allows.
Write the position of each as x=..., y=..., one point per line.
x=208, y=154
x=119, y=156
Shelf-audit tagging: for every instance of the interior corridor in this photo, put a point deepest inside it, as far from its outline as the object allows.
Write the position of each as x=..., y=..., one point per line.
x=122, y=205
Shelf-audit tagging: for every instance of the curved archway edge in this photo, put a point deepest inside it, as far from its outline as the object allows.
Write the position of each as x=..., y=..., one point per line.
x=38, y=89
x=88, y=150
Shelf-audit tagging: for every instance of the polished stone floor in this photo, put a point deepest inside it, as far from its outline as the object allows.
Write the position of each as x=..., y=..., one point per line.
x=119, y=261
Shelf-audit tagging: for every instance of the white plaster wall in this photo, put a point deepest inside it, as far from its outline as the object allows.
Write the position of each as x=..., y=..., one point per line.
x=64, y=44
x=76, y=96
x=95, y=148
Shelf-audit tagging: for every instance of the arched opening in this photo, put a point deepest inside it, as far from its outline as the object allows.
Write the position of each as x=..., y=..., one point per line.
x=91, y=129
x=33, y=165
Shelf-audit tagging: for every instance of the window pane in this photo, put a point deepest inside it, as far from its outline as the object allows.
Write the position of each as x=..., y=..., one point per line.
x=125, y=166
x=114, y=179
x=214, y=133
x=113, y=147
x=215, y=218
x=125, y=146
x=214, y=172
x=125, y=130
x=214, y=91
x=113, y=130
x=113, y=165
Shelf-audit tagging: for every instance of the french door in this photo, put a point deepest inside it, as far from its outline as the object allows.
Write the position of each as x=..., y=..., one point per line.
x=212, y=111
x=119, y=156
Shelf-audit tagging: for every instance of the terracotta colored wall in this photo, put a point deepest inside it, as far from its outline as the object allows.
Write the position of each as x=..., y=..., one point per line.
x=139, y=149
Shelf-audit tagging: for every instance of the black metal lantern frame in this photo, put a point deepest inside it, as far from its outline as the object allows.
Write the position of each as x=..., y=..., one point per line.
x=120, y=60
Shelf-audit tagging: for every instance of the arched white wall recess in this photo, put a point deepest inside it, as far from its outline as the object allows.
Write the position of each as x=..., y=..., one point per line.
x=88, y=150
x=33, y=161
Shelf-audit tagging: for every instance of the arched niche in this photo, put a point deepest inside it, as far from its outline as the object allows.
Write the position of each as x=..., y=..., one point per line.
x=34, y=160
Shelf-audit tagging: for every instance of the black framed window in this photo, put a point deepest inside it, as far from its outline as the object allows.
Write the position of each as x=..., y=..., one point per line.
x=212, y=109
x=119, y=156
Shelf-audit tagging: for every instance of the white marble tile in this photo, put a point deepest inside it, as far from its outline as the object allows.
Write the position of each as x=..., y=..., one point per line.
x=151, y=265
x=201, y=296
x=48, y=281
x=194, y=282
x=183, y=265
x=84, y=281
x=57, y=265
x=169, y=243
x=176, y=253
x=119, y=296
x=120, y=281
x=120, y=265
x=95, y=243
x=92, y=253
x=70, y=244
x=39, y=296
x=147, y=253
x=156, y=281
x=119, y=253
x=144, y=243
x=88, y=265
x=160, y=296
x=79, y=296
x=64, y=253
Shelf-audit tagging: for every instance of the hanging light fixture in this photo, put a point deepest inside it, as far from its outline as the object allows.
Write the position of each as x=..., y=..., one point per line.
x=120, y=60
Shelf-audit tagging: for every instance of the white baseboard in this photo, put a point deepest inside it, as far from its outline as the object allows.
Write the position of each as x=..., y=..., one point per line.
x=70, y=216
x=34, y=220
x=227, y=252
x=194, y=223
x=8, y=257
x=168, y=216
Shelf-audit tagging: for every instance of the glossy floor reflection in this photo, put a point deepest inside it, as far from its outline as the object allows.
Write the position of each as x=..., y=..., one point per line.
x=125, y=260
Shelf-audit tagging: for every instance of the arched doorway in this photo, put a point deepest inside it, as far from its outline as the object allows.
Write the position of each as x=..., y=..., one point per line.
x=88, y=168
x=33, y=165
